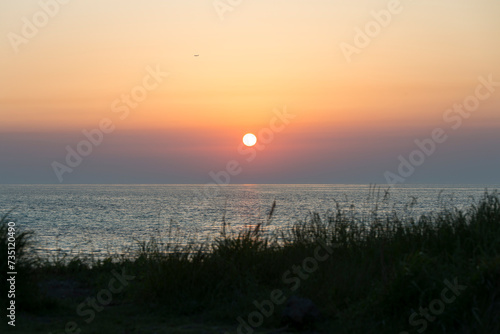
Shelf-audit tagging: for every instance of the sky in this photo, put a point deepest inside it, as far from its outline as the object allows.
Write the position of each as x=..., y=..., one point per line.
x=371, y=91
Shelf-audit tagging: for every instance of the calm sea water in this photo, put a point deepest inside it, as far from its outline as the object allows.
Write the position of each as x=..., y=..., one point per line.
x=102, y=219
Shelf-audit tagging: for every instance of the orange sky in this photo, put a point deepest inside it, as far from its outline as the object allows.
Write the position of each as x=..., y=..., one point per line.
x=263, y=55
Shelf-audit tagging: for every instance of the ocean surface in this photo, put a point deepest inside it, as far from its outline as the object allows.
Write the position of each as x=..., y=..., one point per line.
x=99, y=220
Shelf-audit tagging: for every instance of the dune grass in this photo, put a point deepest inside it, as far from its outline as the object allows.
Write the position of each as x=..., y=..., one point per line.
x=25, y=263
x=379, y=271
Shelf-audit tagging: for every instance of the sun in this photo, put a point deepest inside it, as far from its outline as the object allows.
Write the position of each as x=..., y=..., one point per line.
x=249, y=139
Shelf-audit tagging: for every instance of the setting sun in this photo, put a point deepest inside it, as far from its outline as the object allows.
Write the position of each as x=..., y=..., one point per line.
x=249, y=139
x=119, y=127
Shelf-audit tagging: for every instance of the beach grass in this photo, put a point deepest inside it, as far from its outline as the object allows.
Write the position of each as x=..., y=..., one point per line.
x=437, y=273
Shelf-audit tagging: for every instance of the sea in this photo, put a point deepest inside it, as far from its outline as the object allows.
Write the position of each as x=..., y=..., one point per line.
x=103, y=220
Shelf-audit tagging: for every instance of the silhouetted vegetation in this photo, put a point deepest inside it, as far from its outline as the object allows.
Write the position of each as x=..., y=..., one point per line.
x=370, y=277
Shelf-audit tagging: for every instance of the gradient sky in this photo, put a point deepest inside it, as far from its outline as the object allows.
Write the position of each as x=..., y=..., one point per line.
x=352, y=119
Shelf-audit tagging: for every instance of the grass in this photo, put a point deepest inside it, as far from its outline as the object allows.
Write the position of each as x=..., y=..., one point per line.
x=380, y=271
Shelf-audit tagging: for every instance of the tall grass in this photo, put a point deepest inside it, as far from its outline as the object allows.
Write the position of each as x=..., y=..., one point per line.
x=382, y=268
x=25, y=262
